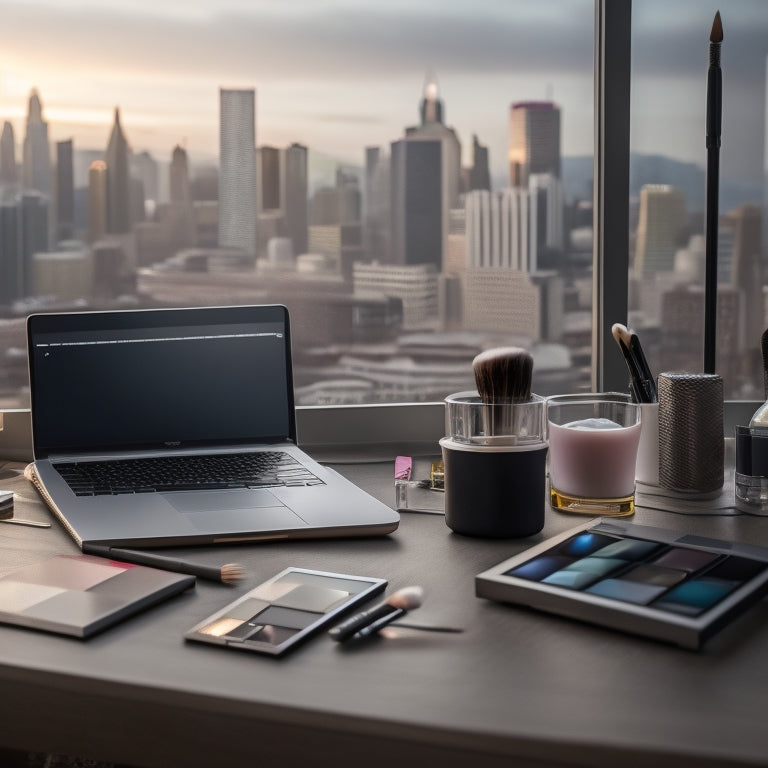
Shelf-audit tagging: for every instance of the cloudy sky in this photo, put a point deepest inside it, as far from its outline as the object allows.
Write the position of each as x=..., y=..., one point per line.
x=339, y=75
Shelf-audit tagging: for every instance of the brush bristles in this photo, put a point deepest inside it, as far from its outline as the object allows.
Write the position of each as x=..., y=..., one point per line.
x=503, y=375
x=407, y=598
x=232, y=572
x=716, y=35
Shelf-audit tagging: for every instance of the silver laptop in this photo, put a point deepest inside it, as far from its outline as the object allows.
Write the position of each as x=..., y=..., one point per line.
x=163, y=427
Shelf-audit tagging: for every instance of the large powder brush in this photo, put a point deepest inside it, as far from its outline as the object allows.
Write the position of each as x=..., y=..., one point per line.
x=503, y=375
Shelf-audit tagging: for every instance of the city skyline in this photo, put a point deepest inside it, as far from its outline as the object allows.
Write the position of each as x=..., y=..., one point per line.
x=338, y=77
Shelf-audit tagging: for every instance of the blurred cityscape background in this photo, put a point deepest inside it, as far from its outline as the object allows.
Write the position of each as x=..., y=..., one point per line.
x=397, y=269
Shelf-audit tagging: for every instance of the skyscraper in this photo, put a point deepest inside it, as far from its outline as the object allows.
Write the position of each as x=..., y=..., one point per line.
x=65, y=191
x=417, y=202
x=479, y=173
x=534, y=141
x=295, y=186
x=237, y=170
x=181, y=214
x=662, y=221
x=118, y=180
x=8, y=171
x=97, y=200
x=36, y=171
x=269, y=191
x=11, y=267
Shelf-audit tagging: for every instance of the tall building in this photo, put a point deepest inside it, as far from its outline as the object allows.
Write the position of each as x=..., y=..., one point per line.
x=433, y=128
x=97, y=200
x=661, y=223
x=9, y=174
x=416, y=194
x=479, y=173
x=33, y=230
x=118, y=180
x=534, y=141
x=268, y=174
x=181, y=215
x=295, y=191
x=11, y=267
x=376, y=217
x=237, y=170
x=65, y=191
x=36, y=169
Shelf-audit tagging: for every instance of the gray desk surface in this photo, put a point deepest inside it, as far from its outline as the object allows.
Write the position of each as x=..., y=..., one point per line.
x=516, y=684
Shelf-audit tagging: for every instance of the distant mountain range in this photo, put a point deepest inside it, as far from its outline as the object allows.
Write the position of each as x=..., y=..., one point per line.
x=657, y=169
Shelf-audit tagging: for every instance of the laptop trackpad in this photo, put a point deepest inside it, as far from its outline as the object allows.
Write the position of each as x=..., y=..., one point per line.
x=234, y=510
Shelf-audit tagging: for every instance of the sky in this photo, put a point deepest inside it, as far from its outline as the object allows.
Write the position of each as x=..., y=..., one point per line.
x=340, y=75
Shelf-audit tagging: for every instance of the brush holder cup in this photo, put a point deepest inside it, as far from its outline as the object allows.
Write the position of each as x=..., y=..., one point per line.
x=494, y=457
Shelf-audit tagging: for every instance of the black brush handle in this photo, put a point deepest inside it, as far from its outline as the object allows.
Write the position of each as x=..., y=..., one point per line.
x=350, y=626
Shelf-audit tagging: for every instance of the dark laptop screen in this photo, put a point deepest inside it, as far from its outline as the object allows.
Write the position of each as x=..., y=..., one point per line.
x=160, y=378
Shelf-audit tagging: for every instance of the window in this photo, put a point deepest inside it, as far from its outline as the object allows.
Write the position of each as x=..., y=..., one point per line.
x=670, y=58
x=413, y=179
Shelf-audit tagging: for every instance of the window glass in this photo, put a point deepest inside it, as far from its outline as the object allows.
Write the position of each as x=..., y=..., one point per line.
x=412, y=179
x=670, y=62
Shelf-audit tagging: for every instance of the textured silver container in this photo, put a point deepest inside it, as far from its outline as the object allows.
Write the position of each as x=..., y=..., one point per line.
x=691, y=439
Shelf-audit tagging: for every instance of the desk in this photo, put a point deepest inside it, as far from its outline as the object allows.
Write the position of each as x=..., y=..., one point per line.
x=516, y=688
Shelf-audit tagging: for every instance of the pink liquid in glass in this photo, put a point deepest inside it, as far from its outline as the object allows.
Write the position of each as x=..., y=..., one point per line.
x=593, y=463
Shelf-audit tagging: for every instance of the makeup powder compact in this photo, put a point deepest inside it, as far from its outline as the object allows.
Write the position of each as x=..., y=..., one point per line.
x=285, y=610
x=649, y=581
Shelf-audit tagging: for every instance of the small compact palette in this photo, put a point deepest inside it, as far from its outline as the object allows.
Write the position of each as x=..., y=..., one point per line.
x=80, y=594
x=649, y=581
x=286, y=609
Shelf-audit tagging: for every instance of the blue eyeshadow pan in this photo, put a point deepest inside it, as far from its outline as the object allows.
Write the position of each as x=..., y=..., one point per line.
x=584, y=544
x=629, y=549
x=571, y=579
x=694, y=596
x=597, y=565
x=540, y=567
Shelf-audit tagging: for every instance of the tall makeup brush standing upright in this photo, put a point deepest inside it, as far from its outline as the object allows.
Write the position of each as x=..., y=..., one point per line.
x=714, y=122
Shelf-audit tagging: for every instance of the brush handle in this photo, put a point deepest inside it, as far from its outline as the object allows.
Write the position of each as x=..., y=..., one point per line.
x=354, y=624
x=154, y=561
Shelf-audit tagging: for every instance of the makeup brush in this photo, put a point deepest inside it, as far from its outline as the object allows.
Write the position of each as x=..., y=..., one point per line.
x=228, y=574
x=371, y=621
x=764, y=350
x=713, y=129
x=641, y=379
x=503, y=375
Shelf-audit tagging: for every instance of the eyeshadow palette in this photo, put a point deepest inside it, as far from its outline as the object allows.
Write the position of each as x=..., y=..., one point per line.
x=80, y=595
x=649, y=581
x=285, y=610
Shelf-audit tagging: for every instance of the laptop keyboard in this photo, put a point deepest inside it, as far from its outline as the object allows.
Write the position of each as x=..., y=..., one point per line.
x=185, y=473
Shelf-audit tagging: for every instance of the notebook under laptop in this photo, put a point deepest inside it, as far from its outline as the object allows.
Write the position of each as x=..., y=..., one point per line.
x=115, y=392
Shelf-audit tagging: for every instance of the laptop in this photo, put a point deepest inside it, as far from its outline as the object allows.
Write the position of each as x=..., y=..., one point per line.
x=164, y=427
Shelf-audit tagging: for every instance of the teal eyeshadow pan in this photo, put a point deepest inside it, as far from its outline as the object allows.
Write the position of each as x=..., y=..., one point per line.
x=629, y=549
x=697, y=595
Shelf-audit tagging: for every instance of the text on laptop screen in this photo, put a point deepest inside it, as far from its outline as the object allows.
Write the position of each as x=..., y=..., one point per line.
x=145, y=379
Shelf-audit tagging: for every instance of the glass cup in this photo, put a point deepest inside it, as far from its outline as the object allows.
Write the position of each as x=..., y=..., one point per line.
x=593, y=440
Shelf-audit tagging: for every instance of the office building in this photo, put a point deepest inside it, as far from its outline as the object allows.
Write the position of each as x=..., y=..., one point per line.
x=268, y=174
x=66, y=274
x=237, y=170
x=36, y=168
x=145, y=168
x=33, y=226
x=97, y=200
x=534, y=141
x=9, y=173
x=179, y=213
x=416, y=195
x=295, y=194
x=65, y=191
x=479, y=176
x=118, y=180
x=503, y=301
x=11, y=266
x=662, y=221
x=376, y=202
x=415, y=285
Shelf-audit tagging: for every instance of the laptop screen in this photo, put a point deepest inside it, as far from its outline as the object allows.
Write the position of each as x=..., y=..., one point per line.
x=153, y=379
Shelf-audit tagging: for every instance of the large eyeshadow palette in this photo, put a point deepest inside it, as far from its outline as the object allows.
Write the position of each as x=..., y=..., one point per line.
x=649, y=581
x=80, y=595
x=285, y=610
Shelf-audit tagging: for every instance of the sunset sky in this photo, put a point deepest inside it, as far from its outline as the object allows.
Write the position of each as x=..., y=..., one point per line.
x=340, y=75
